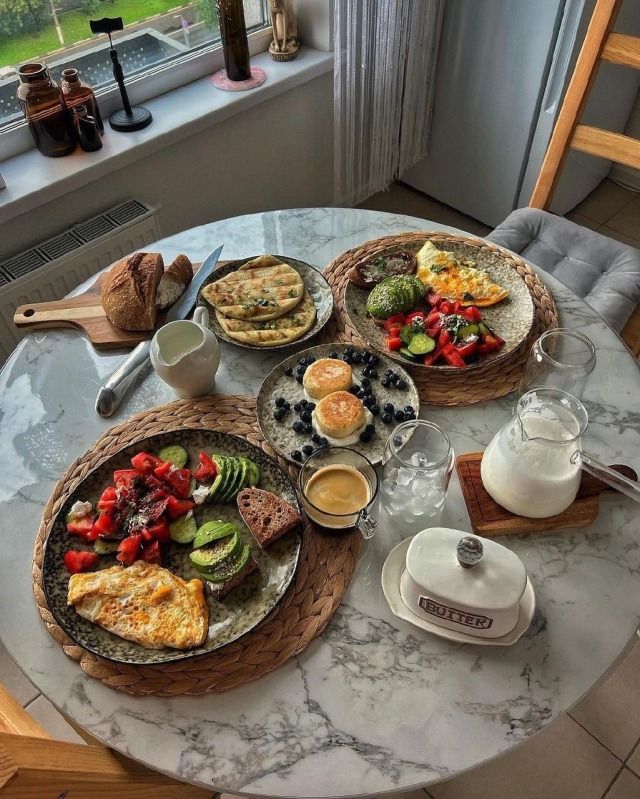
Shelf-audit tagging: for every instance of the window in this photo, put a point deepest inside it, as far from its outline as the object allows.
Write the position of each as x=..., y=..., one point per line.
x=163, y=45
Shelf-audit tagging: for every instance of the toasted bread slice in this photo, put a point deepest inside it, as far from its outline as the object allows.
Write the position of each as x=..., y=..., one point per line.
x=267, y=516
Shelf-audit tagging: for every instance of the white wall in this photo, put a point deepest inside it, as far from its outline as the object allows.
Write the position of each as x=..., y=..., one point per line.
x=276, y=155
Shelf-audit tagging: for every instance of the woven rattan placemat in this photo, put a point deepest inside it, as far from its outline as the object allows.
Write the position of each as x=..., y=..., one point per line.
x=450, y=388
x=325, y=567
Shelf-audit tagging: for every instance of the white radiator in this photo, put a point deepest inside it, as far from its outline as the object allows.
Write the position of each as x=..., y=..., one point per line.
x=53, y=268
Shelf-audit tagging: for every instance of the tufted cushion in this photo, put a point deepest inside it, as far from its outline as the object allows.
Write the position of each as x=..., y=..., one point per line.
x=604, y=272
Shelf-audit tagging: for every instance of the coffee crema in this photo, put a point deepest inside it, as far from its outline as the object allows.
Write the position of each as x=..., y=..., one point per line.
x=336, y=493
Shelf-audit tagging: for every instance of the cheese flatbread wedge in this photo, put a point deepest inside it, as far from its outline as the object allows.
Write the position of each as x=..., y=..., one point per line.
x=261, y=289
x=454, y=279
x=272, y=332
x=143, y=603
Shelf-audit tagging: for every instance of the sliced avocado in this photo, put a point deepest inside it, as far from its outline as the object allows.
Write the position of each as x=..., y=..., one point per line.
x=183, y=530
x=229, y=569
x=219, y=461
x=220, y=552
x=254, y=473
x=212, y=531
x=232, y=467
x=174, y=454
x=239, y=480
x=101, y=547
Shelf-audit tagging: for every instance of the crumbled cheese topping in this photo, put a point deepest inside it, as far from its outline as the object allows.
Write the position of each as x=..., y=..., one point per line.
x=200, y=494
x=80, y=509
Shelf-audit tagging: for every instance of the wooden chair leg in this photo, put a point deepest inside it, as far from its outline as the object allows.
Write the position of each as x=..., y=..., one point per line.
x=631, y=332
x=15, y=720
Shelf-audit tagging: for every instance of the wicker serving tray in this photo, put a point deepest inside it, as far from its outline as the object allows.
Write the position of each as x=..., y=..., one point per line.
x=467, y=387
x=325, y=568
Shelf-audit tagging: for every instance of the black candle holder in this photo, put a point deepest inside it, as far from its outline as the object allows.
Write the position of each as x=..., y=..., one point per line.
x=129, y=117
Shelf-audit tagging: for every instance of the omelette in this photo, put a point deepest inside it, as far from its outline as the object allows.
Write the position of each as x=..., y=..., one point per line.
x=261, y=289
x=272, y=332
x=143, y=603
x=454, y=279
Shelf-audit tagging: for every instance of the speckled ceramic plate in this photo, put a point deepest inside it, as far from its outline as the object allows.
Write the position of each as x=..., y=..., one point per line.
x=314, y=283
x=512, y=318
x=285, y=440
x=240, y=611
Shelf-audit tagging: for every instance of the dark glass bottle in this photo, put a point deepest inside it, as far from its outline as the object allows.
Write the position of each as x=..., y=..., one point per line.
x=45, y=110
x=233, y=33
x=86, y=128
x=77, y=92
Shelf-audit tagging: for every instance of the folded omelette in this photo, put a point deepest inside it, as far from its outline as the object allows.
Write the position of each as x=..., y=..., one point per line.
x=144, y=603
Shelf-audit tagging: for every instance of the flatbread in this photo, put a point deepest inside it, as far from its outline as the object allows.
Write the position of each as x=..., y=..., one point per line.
x=455, y=279
x=261, y=289
x=272, y=332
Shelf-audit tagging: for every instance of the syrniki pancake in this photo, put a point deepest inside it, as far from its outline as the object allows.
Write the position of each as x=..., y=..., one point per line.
x=339, y=415
x=143, y=603
x=272, y=332
x=326, y=376
x=259, y=290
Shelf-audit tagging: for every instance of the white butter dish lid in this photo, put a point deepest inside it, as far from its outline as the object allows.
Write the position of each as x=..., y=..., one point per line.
x=492, y=579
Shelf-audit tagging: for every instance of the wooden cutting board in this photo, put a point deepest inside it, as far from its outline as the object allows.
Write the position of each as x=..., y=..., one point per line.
x=86, y=314
x=490, y=519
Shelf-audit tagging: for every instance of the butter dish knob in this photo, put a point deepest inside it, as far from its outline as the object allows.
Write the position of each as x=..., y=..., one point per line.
x=469, y=551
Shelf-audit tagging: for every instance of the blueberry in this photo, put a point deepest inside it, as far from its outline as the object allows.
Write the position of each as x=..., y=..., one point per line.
x=368, y=401
x=311, y=359
x=409, y=409
x=324, y=442
x=304, y=403
x=300, y=371
x=368, y=392
x=409, y=415
x=316, y=438
x=387, y=418
x=347, y=359
x=399, y=416
x=388, y=407
x=333, y=354
x=401, y=385
x=365, y=437
x=360, y=394
x=299, y=378
x=297, y=407
x=298, y=426
x=357, y=357
x=308, y=429
x=388, y=372
x=367, y=355
x=287, y=406
x=288, y=371
x=296, y=455
x=306, y=417
x=375, y=410
x=280, y=401
x=374, y=360
x=307, y=449
x=370, y=428
x=385, y=382
x=302, y=361
x=278, y=414
x=365, y=372
x=372, y=372
x=354, y=390
x=394, y=378
x=365, y=382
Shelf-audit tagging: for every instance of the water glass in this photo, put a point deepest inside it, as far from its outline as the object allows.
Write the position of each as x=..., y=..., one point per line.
x=416, y=469
x=561, y=359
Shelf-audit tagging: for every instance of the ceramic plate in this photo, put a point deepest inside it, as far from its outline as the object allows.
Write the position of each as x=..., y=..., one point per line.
x=281, y=435
x=314, y=282
x=391, y=575
x=512, y=318
x=240, y=611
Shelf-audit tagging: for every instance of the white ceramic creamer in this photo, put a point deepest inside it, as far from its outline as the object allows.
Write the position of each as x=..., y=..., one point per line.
x=186, y=355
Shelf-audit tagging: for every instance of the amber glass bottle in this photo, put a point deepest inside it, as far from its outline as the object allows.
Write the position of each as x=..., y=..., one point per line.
x=233, y=32
x=44, y=108
x=77, y=92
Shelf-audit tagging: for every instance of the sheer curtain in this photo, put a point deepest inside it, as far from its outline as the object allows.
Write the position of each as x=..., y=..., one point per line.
x=385, y=58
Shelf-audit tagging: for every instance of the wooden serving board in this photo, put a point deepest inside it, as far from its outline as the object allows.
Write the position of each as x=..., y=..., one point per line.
x=85, y=313
x=490, y=519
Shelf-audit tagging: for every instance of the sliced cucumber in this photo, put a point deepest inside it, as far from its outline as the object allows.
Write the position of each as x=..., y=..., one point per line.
x=175, y=454
x=407, y=353
x=220, y=552
x=212, y=531
x=229, y=569
x=468, y=330
x=406, y=334
x=421, y=344
x=101, y=547
x=183, y=530
x=484, y=329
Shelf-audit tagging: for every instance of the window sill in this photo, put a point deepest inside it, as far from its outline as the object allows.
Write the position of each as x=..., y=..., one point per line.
x=33, y=180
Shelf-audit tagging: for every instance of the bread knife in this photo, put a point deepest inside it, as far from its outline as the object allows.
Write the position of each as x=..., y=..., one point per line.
x=113, y=390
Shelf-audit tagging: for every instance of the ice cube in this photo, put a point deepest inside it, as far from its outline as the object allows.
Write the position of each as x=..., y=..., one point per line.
x=421, y=487
x=420, y=460
x=405, y=476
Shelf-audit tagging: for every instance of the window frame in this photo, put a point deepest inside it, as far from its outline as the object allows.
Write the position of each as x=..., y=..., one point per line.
x=155, y=81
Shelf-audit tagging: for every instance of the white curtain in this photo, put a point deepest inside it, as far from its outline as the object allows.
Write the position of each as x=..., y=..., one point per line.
x=385, y=60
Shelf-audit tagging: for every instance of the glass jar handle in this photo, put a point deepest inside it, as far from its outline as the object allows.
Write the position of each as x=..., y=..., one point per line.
x=609, y=476
x=366, y=524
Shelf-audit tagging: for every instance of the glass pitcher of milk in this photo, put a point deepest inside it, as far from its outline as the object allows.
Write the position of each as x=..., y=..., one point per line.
x=533, y=465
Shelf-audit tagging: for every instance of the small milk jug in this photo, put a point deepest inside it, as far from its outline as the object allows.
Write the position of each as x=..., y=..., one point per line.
x=186, y=355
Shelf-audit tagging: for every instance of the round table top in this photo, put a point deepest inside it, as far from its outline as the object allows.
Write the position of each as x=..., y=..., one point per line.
x=374, y=704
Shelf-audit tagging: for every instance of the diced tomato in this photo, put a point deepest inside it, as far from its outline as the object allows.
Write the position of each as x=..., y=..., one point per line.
x=433, y=332
x=179, y=480
x=178, y=507
x=157, y=495
x=455, y=306
x=434, y=319
x=145, y=462
x=445, y=307
x=414, y=315
x=433, y=357
x=471, y=314
x=108, y=498
x=158, y=531
x=395, y=319
x=444, y=338
x=207, y=470
x=468, y=349
x=163, y=470
x=452, y=356
x=394, y=329
x=125, y=477
x=77, y=561
x=152, y=553
x=154, y=510
x=434, y=300
x=491, y=343
x=105, y=524
x=81, y=527
x=129, y=549
x=395, y=343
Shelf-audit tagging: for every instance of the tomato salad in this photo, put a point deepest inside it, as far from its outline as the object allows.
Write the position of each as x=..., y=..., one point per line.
x=133, y=516
x=441, y=332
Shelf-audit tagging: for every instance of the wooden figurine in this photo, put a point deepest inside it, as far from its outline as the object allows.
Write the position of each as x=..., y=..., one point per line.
x=285, y=44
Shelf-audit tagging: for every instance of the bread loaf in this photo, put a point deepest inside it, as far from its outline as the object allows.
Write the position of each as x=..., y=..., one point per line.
x=174, y=281
x=129, y=291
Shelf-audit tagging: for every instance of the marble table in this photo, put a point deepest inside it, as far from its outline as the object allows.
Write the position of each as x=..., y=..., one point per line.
x=374, y=704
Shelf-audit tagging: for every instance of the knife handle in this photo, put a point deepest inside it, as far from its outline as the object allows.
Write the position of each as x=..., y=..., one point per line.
x=112, y=392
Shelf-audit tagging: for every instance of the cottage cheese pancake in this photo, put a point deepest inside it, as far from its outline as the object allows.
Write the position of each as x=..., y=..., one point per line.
x=325, y=376
x=340, y=416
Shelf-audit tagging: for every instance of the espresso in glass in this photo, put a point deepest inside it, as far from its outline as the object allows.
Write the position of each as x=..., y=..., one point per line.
x=45, y=110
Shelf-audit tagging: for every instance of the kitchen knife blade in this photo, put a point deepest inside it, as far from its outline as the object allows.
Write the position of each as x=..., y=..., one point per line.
x=113, y=390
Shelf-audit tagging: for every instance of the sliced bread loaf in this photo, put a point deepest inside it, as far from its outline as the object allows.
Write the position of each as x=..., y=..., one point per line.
x=267, y=516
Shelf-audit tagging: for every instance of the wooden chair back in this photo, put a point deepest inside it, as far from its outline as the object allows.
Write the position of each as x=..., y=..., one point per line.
x=33, y=766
